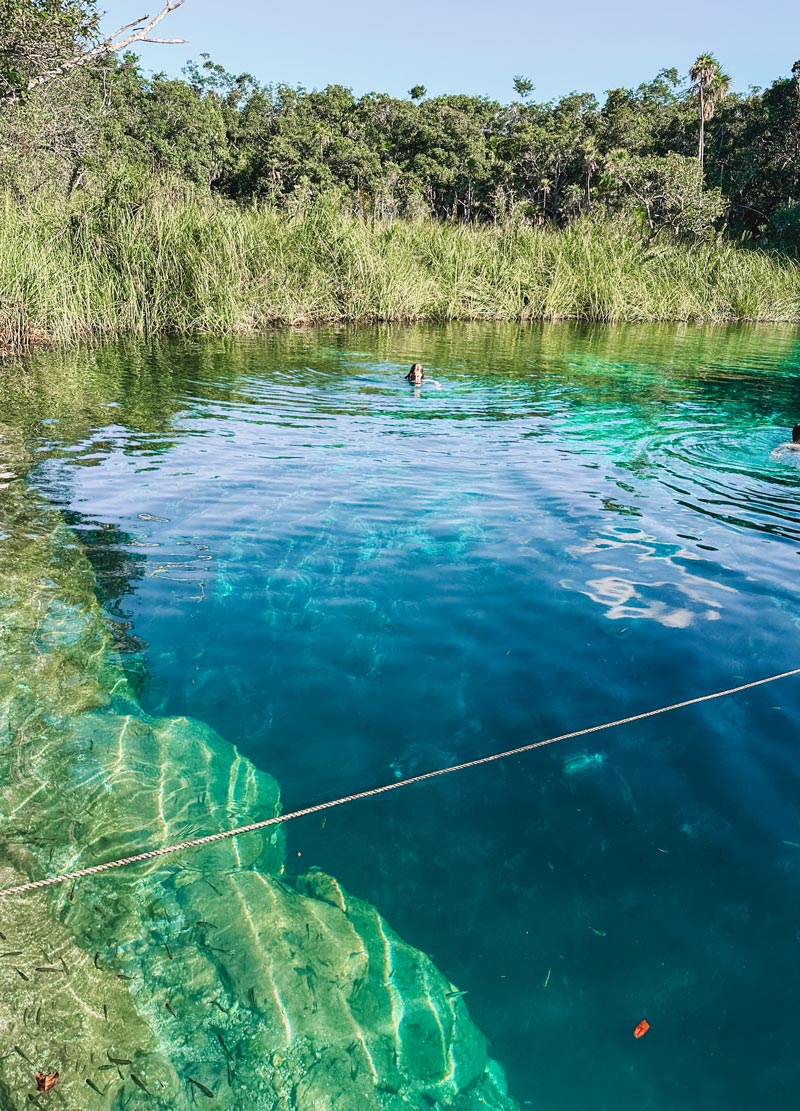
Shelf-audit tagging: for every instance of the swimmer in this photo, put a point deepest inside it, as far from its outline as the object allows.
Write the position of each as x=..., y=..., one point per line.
x=416, y=376
x=784, y=449
x=795, y=444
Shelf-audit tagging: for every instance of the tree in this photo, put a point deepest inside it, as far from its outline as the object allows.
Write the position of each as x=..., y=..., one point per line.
x=44, y=40
x=668, y=192
x=417, y=92
x=796, y=74
x=591, y=161
x=541, y=153
x=523, y=87
x=711, y=85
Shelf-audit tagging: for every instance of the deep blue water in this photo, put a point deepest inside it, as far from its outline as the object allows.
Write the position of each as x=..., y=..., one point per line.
x=357, y=582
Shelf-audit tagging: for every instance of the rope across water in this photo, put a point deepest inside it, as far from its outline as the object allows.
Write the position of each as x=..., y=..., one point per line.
x=279, y=819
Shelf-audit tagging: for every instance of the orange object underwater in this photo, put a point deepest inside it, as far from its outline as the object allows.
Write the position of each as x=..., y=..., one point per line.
x=641, y=1029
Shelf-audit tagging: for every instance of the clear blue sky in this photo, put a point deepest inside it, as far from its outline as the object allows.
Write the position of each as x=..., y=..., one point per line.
x=473, y=46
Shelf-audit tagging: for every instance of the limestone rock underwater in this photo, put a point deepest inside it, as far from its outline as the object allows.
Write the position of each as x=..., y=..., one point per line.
x=206, y=978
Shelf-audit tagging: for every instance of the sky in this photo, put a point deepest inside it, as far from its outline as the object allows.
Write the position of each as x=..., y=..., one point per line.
x=474, y=47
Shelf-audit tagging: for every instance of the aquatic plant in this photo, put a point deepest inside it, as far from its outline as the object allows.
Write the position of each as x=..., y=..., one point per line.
x=212, y=975
x=200, y=265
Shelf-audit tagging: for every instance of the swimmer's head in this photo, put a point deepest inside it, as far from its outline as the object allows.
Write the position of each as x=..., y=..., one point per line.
x=416, y=374
x=796, y=434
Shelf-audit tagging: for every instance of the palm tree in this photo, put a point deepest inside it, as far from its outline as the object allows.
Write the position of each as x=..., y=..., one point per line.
x=591, y=161
x=711, y=85
x=796, y=72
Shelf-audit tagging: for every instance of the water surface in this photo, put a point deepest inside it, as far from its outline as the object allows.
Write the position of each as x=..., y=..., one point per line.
x=356, y=582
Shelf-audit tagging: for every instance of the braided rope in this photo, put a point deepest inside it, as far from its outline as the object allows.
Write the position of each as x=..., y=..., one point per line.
x=211, y=838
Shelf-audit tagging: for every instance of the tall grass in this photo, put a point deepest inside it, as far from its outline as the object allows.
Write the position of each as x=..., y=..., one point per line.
x=188, y=264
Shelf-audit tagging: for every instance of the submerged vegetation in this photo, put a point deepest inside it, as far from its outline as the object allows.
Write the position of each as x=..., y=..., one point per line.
x=219, y=203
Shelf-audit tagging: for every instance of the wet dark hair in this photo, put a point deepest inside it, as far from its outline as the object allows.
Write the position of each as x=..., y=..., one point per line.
x=411, y=374
x=796, y=434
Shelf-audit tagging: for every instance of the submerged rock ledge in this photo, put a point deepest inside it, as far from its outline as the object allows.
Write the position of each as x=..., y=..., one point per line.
x=200, y=979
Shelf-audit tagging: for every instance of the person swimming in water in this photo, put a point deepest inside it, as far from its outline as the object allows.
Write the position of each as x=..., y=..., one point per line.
x=792, y=447
x=416, y=376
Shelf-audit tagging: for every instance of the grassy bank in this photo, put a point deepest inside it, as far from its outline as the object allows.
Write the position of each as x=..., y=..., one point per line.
x=191, y=265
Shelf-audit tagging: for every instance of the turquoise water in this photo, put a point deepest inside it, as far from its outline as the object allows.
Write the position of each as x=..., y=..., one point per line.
x=357, y=582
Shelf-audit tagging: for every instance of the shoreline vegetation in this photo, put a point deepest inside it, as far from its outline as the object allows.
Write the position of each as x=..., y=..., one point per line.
x=193, y=264
x=220, y=203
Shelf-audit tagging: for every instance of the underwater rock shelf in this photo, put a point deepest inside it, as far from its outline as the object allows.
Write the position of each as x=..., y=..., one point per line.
x=206, y=978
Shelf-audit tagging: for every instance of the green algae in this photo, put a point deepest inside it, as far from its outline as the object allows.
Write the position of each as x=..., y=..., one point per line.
x=206, y=976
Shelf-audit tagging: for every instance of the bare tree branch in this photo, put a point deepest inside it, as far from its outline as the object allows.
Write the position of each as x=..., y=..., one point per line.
x=140, y=31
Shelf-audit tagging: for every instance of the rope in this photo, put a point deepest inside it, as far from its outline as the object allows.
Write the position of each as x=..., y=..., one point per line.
x=372, y=792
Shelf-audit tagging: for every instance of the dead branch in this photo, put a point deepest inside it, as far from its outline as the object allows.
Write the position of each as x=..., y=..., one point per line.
x=139, y=32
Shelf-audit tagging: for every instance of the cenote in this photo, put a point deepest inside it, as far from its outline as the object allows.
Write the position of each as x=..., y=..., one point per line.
x=355, y=582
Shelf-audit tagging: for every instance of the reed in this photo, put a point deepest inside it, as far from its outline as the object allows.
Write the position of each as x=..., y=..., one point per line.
x=180, y=263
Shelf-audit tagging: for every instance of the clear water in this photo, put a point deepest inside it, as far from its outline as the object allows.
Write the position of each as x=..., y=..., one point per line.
x=354, y=581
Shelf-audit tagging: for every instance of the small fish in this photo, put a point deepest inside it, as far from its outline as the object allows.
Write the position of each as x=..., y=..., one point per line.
x=118, y=1060
x=19, y=972
x=169, y=954
x=105, y=1012
x=224, y=1010
x=48, y=968
x=139, y=1083
x=230, y=1077
x=793, y=845
x=93, y=1086
x=222, y=1043
x=252, y=995
x=22, y=1055
x=547, y=977
x=664, y=851
x=641, y=1028
x=169, y=1008
x=455, y=994
x=13, y=953
x=38, y=1016
x=45, y=1080
x=64, y=966
x=600, y=933
x=97, y=960
x=123, y=976
x=201, y=1087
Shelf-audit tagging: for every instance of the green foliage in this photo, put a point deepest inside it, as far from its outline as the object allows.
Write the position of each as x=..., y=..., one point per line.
x=711, y=85
x=786, y=227
x=162, y=203
x=160, y=126
x=669, y=193
x=523, y=86
x=175, y=260
x=37, y=35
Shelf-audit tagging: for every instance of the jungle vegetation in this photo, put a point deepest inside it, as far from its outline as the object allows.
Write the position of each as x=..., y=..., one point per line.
x=120, y=189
